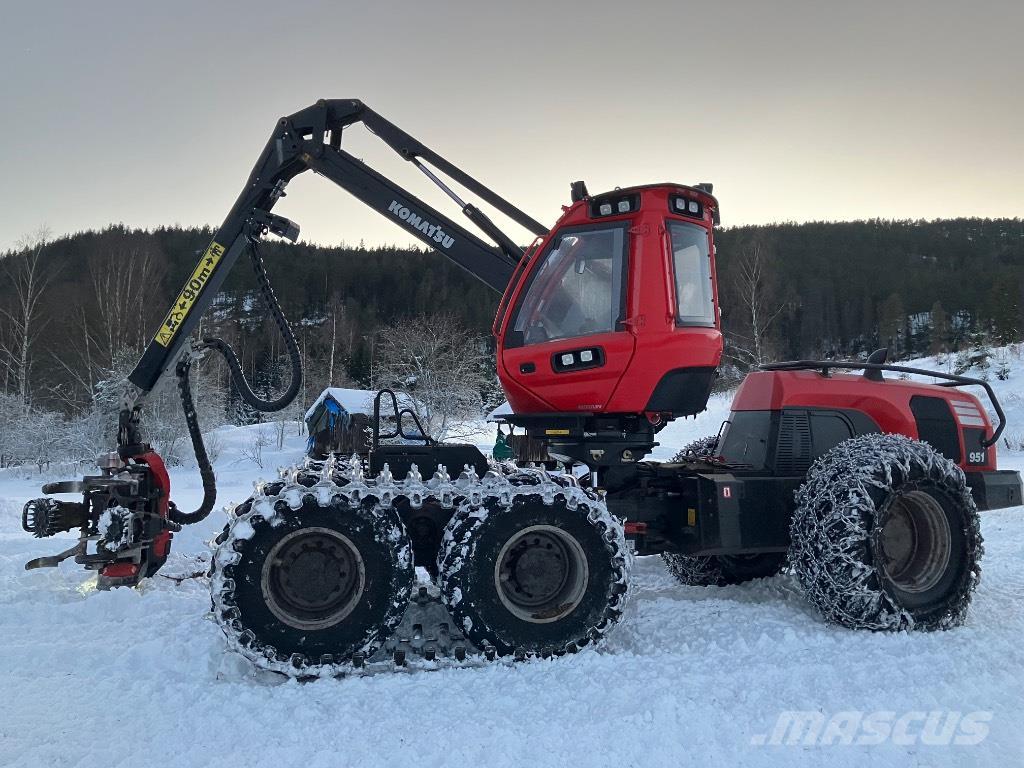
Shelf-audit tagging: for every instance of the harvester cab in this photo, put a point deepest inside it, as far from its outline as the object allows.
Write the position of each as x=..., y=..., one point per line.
x=616, y=310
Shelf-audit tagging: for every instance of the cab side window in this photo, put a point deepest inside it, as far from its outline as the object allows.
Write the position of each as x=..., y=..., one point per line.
x=691, y=264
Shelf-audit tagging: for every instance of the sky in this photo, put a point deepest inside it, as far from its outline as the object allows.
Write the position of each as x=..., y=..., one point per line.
x=152, y=113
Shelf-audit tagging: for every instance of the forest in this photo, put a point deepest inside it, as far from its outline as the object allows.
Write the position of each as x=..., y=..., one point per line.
x=78, y=310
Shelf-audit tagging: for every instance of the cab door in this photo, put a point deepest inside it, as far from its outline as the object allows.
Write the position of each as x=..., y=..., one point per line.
x=565, y=344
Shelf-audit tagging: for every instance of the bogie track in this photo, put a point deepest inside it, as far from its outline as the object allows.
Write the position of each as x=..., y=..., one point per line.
x=313, y=576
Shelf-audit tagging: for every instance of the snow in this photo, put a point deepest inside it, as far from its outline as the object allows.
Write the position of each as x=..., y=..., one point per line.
x=505, y=409
x=692, y=675
x=113, y=521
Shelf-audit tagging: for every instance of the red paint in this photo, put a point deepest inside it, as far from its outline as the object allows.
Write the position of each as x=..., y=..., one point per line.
x=120, y=570
x=886, y=402
x=649, y=346
x=162, y=480
x=160, y=476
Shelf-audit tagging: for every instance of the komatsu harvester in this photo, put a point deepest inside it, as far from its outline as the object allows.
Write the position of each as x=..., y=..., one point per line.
x=607, y=329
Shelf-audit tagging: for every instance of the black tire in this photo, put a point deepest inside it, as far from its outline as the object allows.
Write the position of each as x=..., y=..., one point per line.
x=721, y=570
x=886, y=536
x=703, y=448
x=715, y=570
x=480, y=552
x=694, y=571
x=315, y=585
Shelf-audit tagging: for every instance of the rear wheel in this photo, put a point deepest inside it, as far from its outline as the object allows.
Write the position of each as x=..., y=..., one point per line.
x=315, y=585
x=720, y=570
x=702, y=448
x=717, y=570
x=886, y=536
x=532, y=577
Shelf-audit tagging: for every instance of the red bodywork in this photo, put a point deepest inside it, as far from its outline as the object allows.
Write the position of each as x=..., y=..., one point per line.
x=886, y=402
x=162, y=481
x=649, y=342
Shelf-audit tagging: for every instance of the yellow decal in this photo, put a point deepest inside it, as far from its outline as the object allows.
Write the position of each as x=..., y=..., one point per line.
x=189, y=294
x=556, y=431
x=691, y=517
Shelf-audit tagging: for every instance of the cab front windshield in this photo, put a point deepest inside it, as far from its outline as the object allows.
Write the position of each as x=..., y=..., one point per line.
x=577, y=290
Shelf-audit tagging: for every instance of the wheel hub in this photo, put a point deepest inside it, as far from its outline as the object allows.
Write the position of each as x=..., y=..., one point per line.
x=541, y=574
x=915, y=542
x=313, y=578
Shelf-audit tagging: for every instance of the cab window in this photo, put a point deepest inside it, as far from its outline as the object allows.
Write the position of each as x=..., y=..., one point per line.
x=691, y=264
x=577, y=289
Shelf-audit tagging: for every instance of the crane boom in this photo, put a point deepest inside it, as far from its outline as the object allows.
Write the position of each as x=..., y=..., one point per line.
x=311, y=140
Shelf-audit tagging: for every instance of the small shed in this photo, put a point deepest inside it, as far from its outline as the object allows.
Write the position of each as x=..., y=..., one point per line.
x=341, y=421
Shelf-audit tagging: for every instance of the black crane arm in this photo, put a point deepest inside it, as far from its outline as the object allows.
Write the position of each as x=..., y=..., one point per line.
x=311, y=140
x=308, y=140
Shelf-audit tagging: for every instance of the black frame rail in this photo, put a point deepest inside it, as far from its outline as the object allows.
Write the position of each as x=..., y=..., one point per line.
x=948, y=380
x=400, y=414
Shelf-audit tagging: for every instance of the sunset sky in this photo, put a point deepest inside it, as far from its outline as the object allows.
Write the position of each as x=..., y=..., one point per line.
x=153, y=113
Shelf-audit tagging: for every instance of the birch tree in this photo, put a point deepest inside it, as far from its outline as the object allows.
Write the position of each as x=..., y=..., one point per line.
x=125, y=277
x=759, y=301
x=440, y=364
x=29, y=279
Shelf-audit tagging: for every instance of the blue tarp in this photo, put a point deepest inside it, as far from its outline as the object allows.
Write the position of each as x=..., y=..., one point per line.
x=327, y=415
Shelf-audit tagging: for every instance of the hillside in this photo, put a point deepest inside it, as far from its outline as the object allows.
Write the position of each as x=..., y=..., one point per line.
x=831, y=288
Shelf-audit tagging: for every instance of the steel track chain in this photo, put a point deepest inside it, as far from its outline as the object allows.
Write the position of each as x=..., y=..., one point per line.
x=347, y=479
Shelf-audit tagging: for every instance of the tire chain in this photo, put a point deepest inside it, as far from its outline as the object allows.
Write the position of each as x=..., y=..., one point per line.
x=331, y=478
x=455, y=547
x=831, y=507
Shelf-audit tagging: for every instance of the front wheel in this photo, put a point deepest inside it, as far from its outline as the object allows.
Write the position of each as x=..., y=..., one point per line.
x=299, y=588
x=886, y=536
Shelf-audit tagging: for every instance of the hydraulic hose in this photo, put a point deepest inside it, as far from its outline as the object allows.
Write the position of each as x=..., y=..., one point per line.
x=174, y=514
x=237, y=376
x=241, y=384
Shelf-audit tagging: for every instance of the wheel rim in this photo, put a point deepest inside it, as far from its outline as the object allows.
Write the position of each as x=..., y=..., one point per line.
x=541, y=574
x=313, y=578
x=915, y=542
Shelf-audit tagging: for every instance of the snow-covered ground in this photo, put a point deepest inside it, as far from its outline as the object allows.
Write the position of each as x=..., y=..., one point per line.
x=692, y=676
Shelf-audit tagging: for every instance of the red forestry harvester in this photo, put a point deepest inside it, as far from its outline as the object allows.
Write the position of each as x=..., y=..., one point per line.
x=607, y=329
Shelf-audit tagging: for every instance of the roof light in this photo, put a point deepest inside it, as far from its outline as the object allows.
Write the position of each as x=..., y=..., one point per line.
x=686, y=206
x=615, y=204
